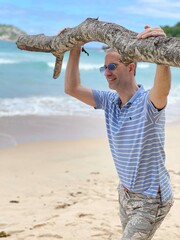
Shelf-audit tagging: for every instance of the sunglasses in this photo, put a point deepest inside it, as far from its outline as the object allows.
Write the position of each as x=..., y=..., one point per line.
x=110, y=67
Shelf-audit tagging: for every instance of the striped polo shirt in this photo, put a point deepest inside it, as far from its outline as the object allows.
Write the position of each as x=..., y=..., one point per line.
x=136, y=138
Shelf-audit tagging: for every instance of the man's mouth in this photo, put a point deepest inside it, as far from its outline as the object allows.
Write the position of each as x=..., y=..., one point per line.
x=110, y=80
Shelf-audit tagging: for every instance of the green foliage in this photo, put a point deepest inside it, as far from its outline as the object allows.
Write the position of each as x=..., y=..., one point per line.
x=172, y=31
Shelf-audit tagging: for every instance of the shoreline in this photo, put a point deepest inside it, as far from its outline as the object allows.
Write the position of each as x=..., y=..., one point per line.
x=24, y=129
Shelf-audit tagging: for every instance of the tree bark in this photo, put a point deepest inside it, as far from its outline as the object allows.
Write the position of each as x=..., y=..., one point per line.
x=159, y=50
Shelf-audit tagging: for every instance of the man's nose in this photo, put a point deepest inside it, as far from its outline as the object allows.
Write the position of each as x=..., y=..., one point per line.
x=107, y=72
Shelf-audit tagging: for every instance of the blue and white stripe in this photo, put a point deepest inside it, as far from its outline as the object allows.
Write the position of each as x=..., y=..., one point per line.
x=136, y=139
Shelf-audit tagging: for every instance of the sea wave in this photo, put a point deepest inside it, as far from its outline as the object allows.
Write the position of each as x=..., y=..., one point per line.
x=86, y=66
x=82, y=66
x=65, y=106
x=143, y=65
x=8, y=61
x=93, y=66
x=44, y=106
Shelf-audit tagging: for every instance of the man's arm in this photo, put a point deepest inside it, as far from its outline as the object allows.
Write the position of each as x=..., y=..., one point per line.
x=73, y=86
x=162, y=82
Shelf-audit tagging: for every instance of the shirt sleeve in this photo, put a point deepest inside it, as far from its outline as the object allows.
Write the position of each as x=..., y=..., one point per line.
x=101, y=98
x=155, y=114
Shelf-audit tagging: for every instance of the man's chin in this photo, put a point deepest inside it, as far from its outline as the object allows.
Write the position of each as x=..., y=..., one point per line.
x=111, y=86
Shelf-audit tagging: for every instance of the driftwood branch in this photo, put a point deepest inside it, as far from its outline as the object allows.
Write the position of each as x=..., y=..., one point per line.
x=159, y=50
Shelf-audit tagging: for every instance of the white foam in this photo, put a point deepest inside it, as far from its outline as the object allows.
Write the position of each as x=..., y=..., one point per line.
x=66, y=106
x=143, y=65
x=82, y=66
x=88, y=66
x=7, y=61
x=94, y=66
x=44, y=106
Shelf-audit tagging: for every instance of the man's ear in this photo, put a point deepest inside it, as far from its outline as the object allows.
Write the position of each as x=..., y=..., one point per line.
x=132, y=68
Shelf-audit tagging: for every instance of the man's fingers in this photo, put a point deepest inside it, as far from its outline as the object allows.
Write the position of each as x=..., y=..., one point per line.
x=151, y=32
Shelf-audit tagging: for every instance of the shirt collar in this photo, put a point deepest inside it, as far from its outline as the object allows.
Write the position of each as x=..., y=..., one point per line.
x=117, y=100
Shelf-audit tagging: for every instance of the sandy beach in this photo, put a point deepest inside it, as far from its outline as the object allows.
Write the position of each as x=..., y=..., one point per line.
x=58, y=181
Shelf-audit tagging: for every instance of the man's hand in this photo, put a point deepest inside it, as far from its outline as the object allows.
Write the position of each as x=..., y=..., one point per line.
x=151, y=32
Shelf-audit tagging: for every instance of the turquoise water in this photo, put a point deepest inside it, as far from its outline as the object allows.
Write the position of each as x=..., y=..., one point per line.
x=28, y=88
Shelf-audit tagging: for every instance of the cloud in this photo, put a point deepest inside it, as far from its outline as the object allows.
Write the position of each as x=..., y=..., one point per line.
x=160, y=4
x=154, y=9
x=37, y=18
x=9, y=10
x=48, y=17
x=153, y=1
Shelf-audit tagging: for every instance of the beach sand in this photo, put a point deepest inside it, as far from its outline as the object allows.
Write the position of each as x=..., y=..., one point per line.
x=58, y=181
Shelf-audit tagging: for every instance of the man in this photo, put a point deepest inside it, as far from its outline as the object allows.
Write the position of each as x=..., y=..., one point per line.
x=135, y=126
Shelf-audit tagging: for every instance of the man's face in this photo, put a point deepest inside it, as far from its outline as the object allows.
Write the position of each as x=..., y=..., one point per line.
x=118, y=77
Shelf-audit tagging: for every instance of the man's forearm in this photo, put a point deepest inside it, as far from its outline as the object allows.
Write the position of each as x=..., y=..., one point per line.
x=72, y=76
x=163, y=79
x=161, y=87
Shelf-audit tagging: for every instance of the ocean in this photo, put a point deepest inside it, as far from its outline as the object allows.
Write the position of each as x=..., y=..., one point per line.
x=28, y=87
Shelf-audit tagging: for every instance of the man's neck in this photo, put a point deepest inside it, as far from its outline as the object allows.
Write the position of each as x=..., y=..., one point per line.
x=126, y=94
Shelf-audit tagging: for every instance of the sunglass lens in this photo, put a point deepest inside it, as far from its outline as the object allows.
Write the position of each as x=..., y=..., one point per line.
x=111, y=66
x=102, y=69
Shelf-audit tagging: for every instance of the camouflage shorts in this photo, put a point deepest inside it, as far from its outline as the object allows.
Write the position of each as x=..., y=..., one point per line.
x=141, y=215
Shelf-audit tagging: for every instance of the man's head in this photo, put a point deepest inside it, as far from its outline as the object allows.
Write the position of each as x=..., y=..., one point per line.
x=117, y=73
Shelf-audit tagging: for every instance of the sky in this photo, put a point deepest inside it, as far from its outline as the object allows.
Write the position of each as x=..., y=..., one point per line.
x=49, y=16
